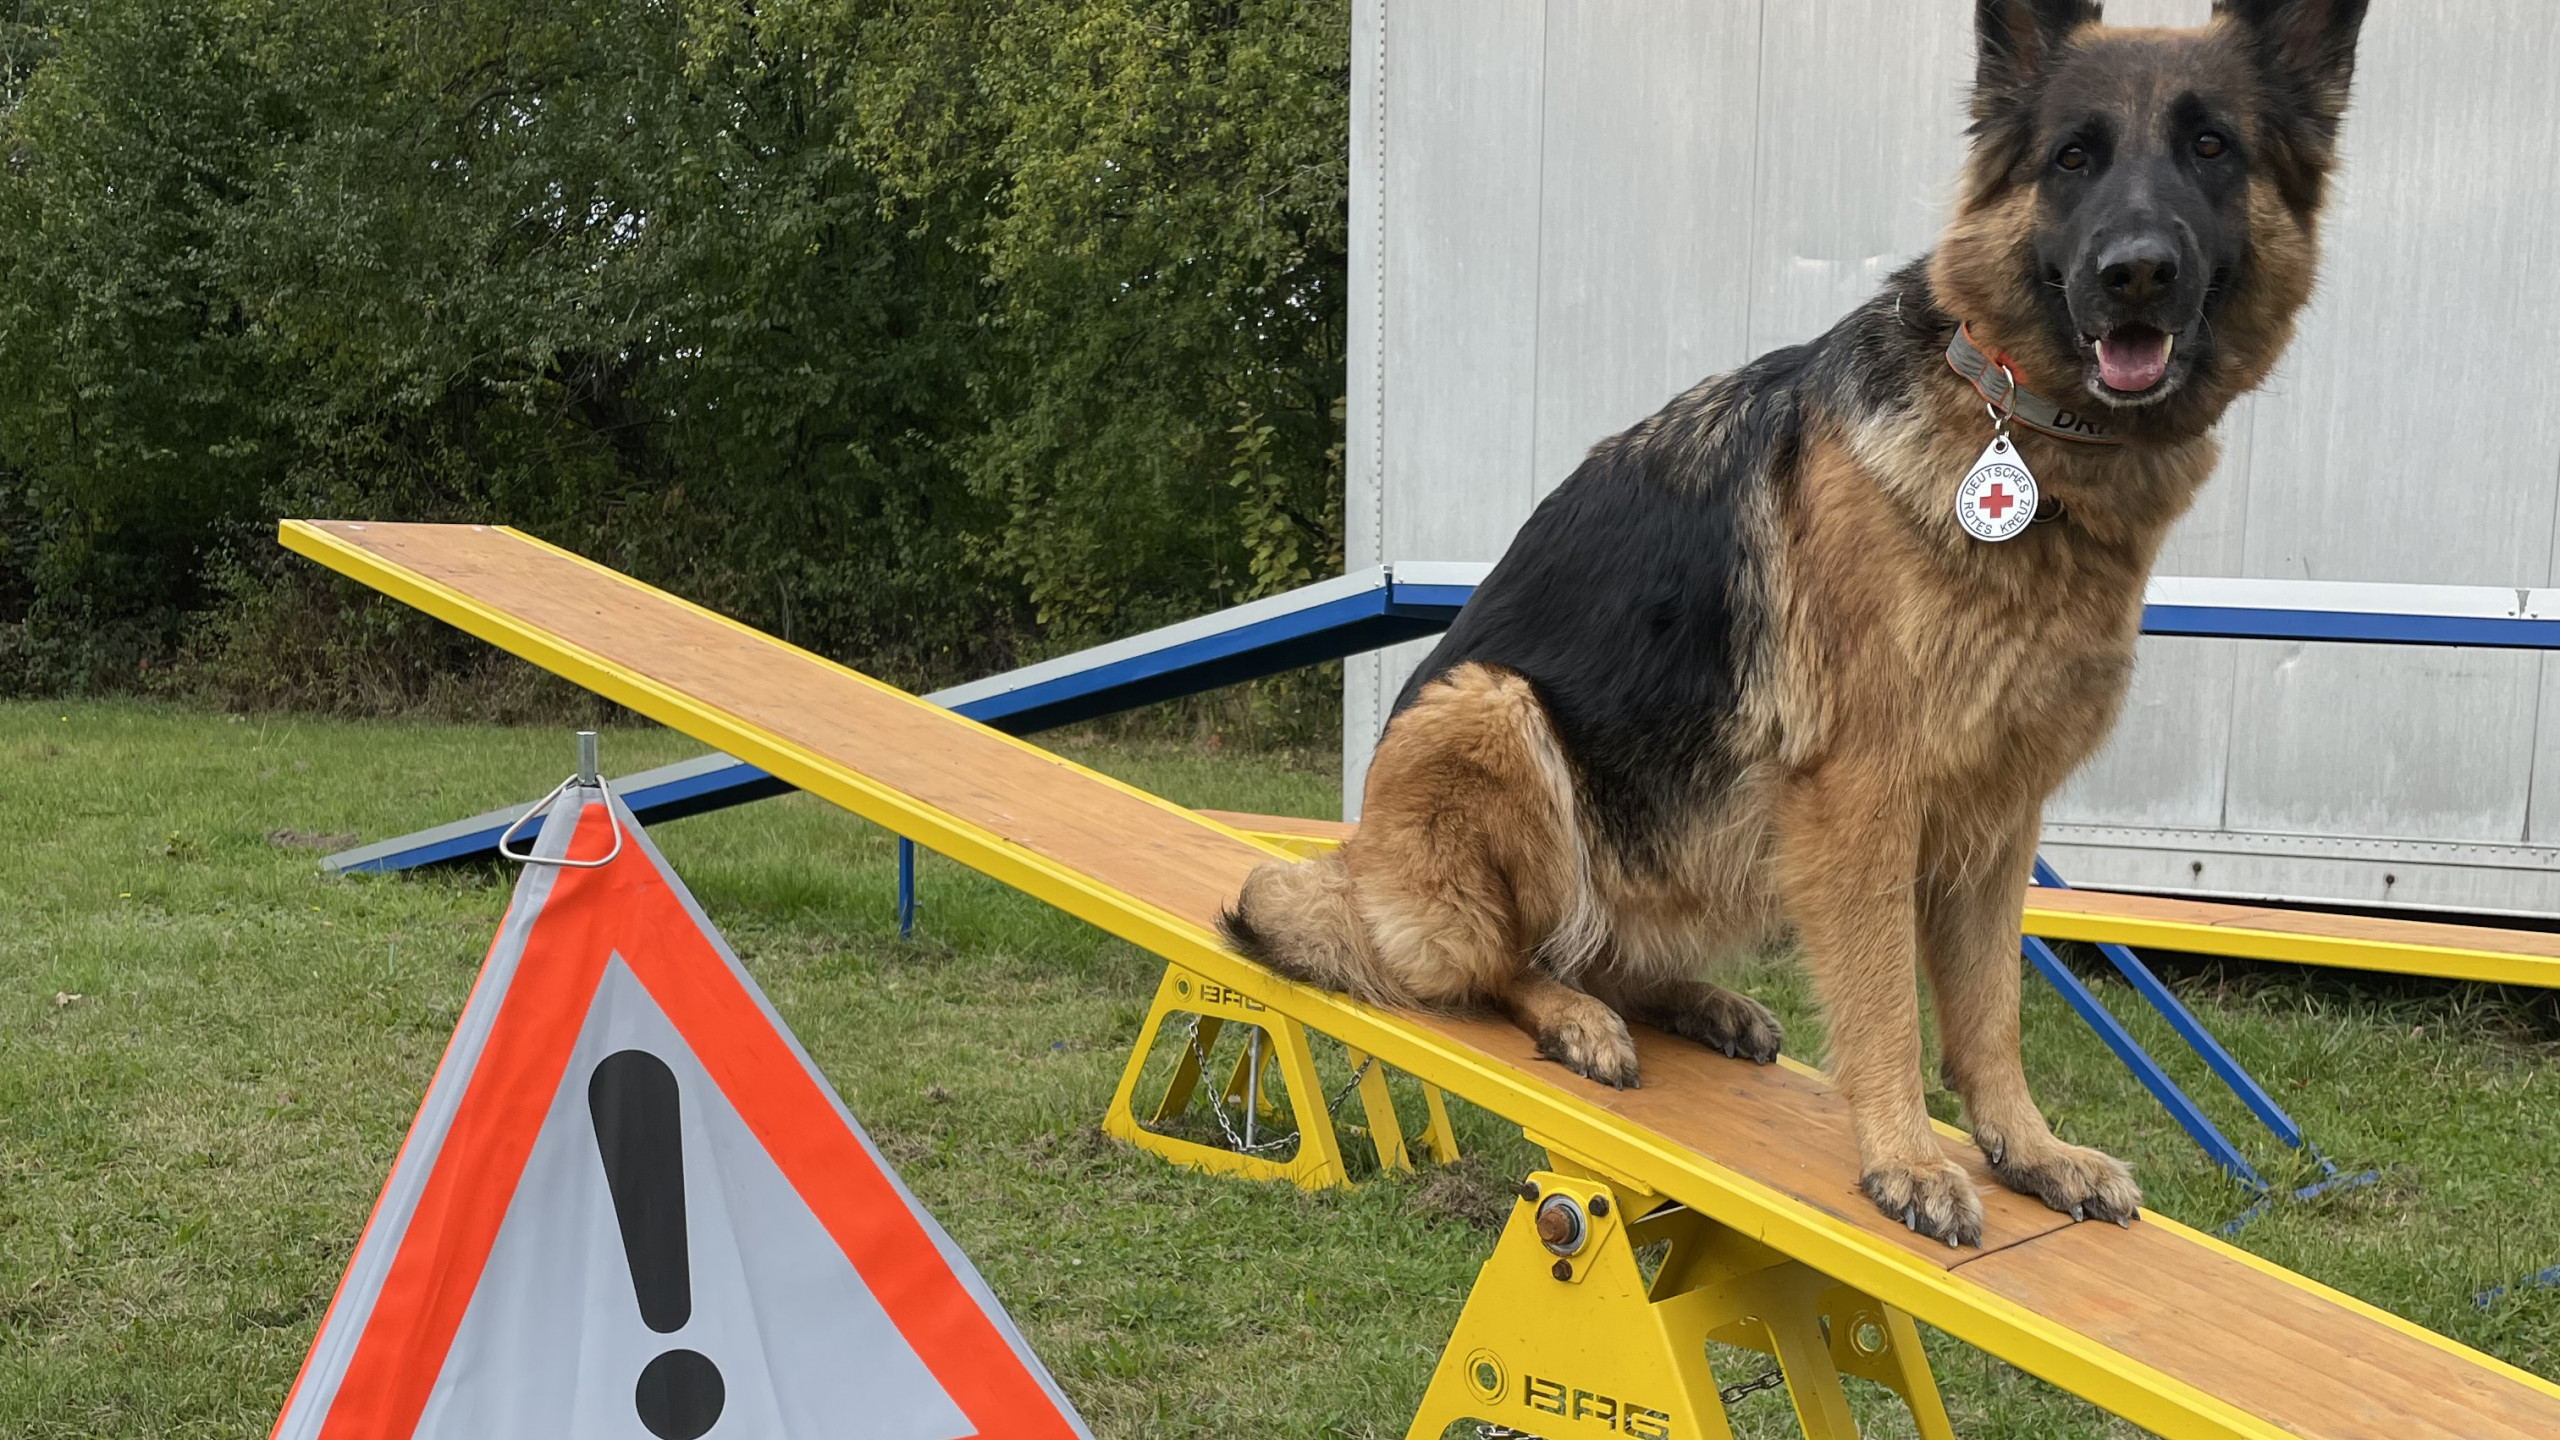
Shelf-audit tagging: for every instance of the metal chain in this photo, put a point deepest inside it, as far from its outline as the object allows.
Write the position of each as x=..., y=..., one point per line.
x=1218, y=1108
x=1770, y=1381
x=1334, y=1106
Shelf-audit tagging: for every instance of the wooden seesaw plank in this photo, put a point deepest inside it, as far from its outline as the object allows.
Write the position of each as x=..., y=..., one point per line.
x=2206, y=927
x=2171, y=1330
x=2301, y=937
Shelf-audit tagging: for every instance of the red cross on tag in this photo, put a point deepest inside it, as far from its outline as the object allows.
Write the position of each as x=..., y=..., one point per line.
x=1998, y=496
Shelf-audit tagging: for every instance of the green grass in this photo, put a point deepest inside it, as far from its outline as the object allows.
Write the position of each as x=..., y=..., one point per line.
x=188, y=1148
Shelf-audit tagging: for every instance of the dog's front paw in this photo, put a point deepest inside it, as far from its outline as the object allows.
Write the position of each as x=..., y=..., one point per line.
x=1593, y=1042
x=1935, y=1198
x=1737, y=1025
x=2082, y=1183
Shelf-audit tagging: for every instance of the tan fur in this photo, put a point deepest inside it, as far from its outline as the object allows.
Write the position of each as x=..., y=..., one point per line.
x=1922, y=694
x=1940, y=698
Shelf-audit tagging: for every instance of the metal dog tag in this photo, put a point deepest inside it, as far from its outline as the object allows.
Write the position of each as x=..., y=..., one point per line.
x=1998, y=496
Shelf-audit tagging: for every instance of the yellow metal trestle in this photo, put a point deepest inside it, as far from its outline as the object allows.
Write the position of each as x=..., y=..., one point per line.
x=1273, y=1073
x=1563, y=1336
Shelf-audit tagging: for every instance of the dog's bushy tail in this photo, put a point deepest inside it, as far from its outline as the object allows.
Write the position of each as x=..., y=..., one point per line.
x=1299, y=919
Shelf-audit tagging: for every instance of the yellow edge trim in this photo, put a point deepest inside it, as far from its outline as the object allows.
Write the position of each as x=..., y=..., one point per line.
x=2393, y=957
x=2105, y=1377
x=1302, y=846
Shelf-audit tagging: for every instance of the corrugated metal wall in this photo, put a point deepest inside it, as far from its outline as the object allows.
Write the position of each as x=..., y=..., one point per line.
x=1565, y=211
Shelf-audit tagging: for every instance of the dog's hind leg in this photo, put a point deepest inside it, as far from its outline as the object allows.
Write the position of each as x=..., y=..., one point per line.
x=1450, y=946
x=1575, y=1029
x=1468, y=863
x=1848, y=851
x=1969, y=941
x=1720, y=1019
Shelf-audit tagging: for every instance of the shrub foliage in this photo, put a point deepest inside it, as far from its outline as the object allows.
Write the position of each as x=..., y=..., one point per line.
x=928, y=333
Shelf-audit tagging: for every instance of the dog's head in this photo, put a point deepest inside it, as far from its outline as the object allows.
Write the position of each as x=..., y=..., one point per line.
x=2139, y=212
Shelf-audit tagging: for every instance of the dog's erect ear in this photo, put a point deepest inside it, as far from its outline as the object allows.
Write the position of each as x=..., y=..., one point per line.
x=2019, y=42
x=2308, y=45
x=2306, y=54
x=2019, y=39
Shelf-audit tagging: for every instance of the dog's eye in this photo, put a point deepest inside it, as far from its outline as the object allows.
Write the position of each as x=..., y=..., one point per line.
x=2072, y=158
x=2209, y=145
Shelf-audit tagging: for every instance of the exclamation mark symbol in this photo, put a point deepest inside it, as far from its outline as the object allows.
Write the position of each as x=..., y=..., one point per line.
x=632, y=1097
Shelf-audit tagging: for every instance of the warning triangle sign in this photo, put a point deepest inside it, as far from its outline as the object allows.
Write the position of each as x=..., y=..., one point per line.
x=630, y=1206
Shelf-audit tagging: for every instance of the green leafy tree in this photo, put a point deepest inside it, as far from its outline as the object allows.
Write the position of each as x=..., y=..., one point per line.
x=1168, y=247
x=920, y=333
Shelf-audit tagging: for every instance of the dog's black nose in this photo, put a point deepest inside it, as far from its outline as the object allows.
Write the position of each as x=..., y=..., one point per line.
x=2137, y=268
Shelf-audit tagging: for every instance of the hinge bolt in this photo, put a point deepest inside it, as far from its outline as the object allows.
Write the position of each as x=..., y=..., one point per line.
x=1560, y=1225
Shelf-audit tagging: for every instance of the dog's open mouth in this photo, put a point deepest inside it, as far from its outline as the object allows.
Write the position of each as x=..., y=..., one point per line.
x=2134, y=358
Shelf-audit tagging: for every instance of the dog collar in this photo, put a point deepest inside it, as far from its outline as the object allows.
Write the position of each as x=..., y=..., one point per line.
x=1998, y=383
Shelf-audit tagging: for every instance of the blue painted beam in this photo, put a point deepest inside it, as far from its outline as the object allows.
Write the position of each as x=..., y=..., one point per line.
x=2181, y=1108
x=2353, y=627
x=1352, y=625
x=2540, y=1279
x=906, y=888
x=2352, y=612
x=2329, y=1180
x=2191, y=1030
x=670, y=792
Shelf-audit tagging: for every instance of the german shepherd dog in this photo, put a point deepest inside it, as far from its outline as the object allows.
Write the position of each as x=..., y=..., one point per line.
x=1747, y=671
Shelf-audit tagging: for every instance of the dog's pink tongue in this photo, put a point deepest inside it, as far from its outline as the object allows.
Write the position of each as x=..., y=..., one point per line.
x=2133, y=360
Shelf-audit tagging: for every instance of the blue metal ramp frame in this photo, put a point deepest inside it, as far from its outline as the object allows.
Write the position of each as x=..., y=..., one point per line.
x=2174, y=1099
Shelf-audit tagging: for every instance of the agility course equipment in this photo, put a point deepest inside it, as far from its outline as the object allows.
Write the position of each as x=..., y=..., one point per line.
x=630, y=1195
x=1323, y=621
x=2299, y=937
x=2203, y=927
x=1408, y=599
x=2405, y=947
x=1273, y=1043
x=2157, y=1323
